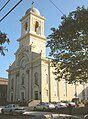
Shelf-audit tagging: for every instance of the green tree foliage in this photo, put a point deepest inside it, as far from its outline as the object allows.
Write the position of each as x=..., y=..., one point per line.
x=69, y=46
x=3, y=40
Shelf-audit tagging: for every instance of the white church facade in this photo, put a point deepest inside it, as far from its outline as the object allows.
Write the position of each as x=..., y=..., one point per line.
x=31, y=77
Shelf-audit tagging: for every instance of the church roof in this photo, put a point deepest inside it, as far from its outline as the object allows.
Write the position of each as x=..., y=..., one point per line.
x=34, y=10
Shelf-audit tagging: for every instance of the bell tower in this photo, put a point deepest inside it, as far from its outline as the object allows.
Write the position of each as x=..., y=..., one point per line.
x=32, y=30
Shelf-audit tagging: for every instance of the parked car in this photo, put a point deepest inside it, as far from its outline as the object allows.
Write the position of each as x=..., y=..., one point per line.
x=76, y=100
x=86, y=116
x=50, y=105
x=1, y=108
x=12, y=109
x=60, y=105
x=69, y=103
x=44, y=106
x=65, y=102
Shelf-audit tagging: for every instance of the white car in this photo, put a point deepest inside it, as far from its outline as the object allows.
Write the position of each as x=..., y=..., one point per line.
x=60, y=105
x=50, y=105
x=71, y=103
x=12, y=109
x=44, y=106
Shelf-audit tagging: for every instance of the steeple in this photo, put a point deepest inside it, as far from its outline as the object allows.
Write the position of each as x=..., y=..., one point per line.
x=32, y=30
x=32, y=3
x=33, y=9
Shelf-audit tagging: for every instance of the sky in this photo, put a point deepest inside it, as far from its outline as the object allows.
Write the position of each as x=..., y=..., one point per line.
x=12, y=26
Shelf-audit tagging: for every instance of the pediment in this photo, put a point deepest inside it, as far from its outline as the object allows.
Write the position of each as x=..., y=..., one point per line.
x=22, y=49
x=22, y=52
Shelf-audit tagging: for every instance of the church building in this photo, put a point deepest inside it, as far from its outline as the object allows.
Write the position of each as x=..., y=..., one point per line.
x=31, y=77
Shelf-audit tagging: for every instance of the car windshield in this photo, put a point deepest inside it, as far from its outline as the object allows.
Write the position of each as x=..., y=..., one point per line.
x=11, y=105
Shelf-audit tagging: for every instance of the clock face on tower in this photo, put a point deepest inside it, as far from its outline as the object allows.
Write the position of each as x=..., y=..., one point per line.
x=23, y=63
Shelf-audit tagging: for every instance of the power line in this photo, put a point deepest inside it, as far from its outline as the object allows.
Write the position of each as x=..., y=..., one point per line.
x=11, y=10
x=4, y=5
x=56, y=7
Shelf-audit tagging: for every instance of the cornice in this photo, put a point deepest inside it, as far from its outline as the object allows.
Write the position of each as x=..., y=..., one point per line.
x=37, y=36
x=31, y=34
x=13, y=70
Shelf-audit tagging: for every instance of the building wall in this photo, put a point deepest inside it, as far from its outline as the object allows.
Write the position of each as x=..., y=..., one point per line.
x=53, y=90
x=3, y=90
x=48, y=88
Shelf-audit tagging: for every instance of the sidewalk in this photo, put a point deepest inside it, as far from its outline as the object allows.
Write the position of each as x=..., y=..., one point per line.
x=73, y=111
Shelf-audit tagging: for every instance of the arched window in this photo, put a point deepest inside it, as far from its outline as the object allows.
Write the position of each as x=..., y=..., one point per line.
x=22, y=79
x=23, y=63
x=37, y=27
x=36, y=78
x=26, y=26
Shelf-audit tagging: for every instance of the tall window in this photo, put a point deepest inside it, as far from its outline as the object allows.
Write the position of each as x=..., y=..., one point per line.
x=37, y=27
x=11, y=97
x=64, y=87
x=22, y=79
x=22, y=96
x=36, y=95
x=56, y=88
x=12, y=83
x=36, y=78
x=47, y=78
x=83, y=92
x=46, y=92
x=26, y=26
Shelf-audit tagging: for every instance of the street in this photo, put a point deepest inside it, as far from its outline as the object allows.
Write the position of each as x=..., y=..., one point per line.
x=26, y=115
x=7, y=116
